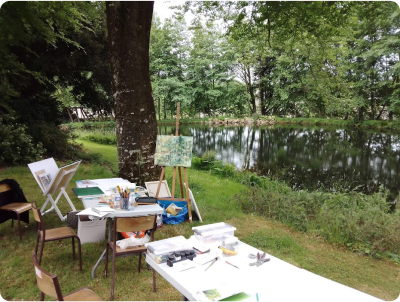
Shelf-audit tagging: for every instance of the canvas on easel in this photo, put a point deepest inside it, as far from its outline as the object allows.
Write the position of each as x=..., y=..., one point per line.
x=52, y=179
x=175, y=151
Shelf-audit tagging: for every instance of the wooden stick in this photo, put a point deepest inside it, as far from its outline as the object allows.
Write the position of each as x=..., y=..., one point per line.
x=180, y=181
x=173, y=181
x=161, y=179
x=187, y=195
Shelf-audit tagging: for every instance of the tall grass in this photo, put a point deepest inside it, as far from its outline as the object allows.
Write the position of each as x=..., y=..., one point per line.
x=100, y=136
x=360, y=222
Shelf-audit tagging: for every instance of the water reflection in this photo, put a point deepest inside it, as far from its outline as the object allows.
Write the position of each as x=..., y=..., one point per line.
x=305, y=158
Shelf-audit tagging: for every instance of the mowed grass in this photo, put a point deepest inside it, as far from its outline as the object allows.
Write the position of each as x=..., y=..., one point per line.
x=216, y=201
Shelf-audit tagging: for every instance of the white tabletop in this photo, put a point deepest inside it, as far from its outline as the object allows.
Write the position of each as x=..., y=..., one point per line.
x=106, y=185
x=141, y=210
x=275, y=280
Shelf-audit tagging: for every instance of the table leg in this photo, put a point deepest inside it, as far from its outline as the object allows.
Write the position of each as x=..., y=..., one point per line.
x=104, y=252
x=97, y=263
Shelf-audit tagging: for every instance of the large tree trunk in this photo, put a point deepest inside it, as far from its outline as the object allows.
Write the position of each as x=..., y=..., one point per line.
x=129, y=25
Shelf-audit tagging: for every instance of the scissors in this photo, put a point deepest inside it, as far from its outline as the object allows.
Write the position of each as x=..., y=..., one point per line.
x=260, y=259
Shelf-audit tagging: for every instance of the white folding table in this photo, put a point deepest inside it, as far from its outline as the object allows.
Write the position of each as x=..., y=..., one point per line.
x=106, y=185
x=275, y=280
x=142, y=210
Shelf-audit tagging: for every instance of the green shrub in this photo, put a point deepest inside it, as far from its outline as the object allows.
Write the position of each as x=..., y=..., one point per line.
x=101, y=136
x=16, y=146
x=360, y=222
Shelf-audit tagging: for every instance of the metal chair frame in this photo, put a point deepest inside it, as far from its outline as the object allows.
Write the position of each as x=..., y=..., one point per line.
x=53, y=234
x=129, y=224
x=16, y=207
x=48, y=285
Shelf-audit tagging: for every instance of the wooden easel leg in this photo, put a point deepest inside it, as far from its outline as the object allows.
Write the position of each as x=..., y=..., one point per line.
x=173, y=182
x=180, y=181
x=161, y=179
x=187, y=195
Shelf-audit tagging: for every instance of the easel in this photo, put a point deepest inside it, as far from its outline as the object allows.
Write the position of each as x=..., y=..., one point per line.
x=62, y=177
x=187, y=199
x=60, y=183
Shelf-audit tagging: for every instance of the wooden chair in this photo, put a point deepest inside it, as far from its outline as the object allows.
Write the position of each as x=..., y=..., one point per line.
x=14, y=210
x=129, y=224
x=53, y=234
x=48, y=285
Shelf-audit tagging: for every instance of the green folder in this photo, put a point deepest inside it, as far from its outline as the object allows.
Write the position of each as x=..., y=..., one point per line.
x=86, y=192
x=237, y=297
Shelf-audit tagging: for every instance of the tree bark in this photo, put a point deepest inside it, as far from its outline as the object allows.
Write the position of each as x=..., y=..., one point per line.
x=129, y=25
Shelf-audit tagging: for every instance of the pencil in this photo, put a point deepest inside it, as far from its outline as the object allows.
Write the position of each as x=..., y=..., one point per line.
x=231, y=264
x=211, y=264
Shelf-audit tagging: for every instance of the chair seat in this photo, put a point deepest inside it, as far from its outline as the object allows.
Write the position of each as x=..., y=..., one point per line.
x=134, y=249
x=19, y=207
x=59, y=233
x=83, y=294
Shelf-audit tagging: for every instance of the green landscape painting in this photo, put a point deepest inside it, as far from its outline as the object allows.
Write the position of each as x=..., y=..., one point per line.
x=174, y=151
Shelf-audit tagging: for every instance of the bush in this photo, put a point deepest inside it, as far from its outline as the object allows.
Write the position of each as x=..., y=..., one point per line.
x=105, y=137
x=18, y=147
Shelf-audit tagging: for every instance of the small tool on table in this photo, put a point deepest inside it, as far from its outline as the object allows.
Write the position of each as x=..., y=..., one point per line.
x=260, y=259
x=215, y=260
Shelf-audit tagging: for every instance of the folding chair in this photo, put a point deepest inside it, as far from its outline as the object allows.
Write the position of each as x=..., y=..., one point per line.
x=129, y=224
x=13, y=210
x=53, y=234
x=49, y=285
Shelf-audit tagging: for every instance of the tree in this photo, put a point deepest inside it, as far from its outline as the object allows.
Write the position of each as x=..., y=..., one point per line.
x=37, y=46
x=129, y=25
x=168, y=48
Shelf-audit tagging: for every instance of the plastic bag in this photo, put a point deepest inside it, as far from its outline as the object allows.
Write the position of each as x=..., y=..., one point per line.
x=132, y=242
x=171, y=219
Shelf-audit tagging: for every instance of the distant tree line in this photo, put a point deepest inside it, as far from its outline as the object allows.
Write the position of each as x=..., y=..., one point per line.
x=284, y=58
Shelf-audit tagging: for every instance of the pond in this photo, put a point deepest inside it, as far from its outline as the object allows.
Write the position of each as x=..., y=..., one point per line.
x=306, y=158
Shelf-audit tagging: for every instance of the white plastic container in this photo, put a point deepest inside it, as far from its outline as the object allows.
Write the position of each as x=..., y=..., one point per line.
x=92, y=230
x=216, y=232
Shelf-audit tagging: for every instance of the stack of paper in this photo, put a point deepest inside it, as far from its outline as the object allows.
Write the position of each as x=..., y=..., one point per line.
x=86, y=184
x=96, y=211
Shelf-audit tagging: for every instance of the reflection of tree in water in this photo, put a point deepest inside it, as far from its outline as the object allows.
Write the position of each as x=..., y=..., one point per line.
x=306, y=158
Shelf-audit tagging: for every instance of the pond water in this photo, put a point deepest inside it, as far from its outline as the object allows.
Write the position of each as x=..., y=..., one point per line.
x=305, y=157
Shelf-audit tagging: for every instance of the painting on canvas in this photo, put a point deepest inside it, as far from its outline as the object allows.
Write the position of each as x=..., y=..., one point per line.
x=174, y=151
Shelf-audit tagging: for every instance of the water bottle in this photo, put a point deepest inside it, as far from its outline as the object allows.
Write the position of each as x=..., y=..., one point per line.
x=117, y=201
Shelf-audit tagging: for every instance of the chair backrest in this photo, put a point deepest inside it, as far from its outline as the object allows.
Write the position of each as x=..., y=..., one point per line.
x=47, y=282
x=37, y=216
x=4, y=188
x=6, y=194
x=135, y=224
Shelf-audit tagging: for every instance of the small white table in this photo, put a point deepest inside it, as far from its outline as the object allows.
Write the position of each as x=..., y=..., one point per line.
x=275, y=280
x=142, y=210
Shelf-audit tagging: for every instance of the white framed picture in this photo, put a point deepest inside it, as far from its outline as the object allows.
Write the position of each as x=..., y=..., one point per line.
x=152, y=186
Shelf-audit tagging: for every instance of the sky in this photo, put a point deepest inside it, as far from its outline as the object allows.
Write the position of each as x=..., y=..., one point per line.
x=161, y=8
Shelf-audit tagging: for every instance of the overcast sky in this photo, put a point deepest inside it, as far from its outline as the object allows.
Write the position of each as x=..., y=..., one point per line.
x=161, y=8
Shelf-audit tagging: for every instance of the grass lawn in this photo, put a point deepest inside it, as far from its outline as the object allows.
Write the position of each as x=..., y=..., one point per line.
x=215, y=198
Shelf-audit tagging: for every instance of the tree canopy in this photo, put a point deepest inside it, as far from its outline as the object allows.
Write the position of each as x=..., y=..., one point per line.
x=335, y=59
